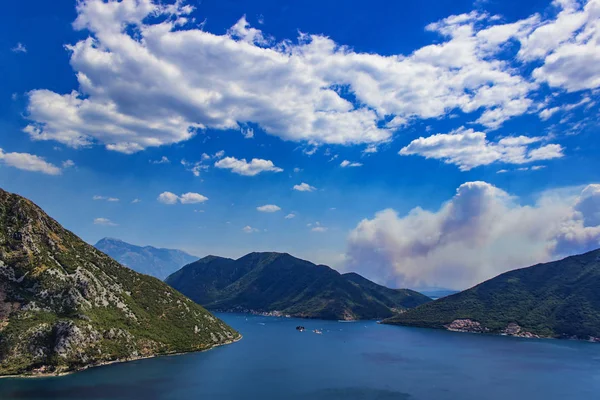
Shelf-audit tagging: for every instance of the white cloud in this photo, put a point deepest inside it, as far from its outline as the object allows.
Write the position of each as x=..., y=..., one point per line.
x=106, y=198
x=249, y=229
x=242, y=167
x=304, y=187
x=135, y=201
x=468, y=149
x=268, y=208
x=28, y=162
x=192, y=198
x=290, y=216
x=19, y=48
x=68, y=164
x=248, y=133
x=194, y=167
x=147, y=82
x=163, y=160
x=346, y=163
x=370, y=149
x=319, y=229
x=104, y=222
x=568, y=46
x=481, y=232
x=297, y=170
x=546, y=113
x=186, y=198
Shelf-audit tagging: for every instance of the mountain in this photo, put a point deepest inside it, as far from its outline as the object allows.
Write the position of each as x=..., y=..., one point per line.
x=148, y=260
x=269, y=282
x=437, y=293
x=64, y=305
x=556, y=299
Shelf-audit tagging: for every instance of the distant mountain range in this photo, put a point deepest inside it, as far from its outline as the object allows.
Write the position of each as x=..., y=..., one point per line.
x=148, y=260
x=270, y=282
x=437, y=293
x=556, y=299
x=64, y=305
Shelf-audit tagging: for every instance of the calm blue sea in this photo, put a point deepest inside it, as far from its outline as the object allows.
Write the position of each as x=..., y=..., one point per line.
x=350, y=360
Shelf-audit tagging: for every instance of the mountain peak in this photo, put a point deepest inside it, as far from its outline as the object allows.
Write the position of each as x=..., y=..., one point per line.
x=273, y=281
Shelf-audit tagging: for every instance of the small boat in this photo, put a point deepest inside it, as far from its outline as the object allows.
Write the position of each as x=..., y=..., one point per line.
x=318, y=332
x=300, y=328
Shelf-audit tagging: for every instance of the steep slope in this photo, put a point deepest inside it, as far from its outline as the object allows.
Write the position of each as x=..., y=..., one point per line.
x=556, y=299
x=390, y=297
x=64, y=305
x=148, y=260
x=267, y=282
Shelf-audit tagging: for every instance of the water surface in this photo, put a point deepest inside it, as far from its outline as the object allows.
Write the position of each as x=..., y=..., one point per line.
x=355, y=360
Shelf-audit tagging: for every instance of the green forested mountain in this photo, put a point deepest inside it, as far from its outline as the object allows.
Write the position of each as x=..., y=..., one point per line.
x=65, y=305
x=266, y=282
x=556, y=299
x=148, y=260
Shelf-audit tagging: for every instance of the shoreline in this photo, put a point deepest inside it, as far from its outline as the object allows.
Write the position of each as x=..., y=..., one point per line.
x=500, y=334
x=118, y=361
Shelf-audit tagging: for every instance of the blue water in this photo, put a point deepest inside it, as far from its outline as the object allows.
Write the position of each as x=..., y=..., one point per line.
x=357, y=360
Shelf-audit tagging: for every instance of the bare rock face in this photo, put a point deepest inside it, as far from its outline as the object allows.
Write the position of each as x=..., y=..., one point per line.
x=466, y=325
x=64, y=305
x=513, y=329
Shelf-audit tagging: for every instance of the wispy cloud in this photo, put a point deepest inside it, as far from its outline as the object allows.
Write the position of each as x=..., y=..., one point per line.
x=104, y=222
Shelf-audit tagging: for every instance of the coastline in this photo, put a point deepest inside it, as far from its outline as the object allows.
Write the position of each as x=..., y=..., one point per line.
x=593, y=340
x=117, y=361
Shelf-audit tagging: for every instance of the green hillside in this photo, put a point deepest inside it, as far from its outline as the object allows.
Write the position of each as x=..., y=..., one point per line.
x=65, y=305
x=266, y=282
x=556, y=299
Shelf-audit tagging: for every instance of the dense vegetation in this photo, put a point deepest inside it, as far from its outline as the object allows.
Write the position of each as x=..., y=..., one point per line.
x=267, y=282
x=148, y=260
x=556, y=299
x=65, y=305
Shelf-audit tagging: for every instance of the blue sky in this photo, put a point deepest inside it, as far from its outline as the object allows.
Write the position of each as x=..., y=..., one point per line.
x=438, y=143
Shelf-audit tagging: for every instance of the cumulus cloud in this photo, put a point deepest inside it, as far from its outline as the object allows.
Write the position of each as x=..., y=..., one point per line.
x=290, y=216
x=268, y=208
x=68, y=164
x=186, y=198
x=346, y=163
x=242, y=167
x=192, y=198
x=28, y=162
x=480, y=232
x=319, y=229
x=148, y=81
x=568, y=46
x=304, y=187
x=468, y=149
x=104, y=222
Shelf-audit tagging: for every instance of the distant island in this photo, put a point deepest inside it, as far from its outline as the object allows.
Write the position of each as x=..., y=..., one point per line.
x=278, y=283
x=148, y=260
x=65, y=306
x=560, y=299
